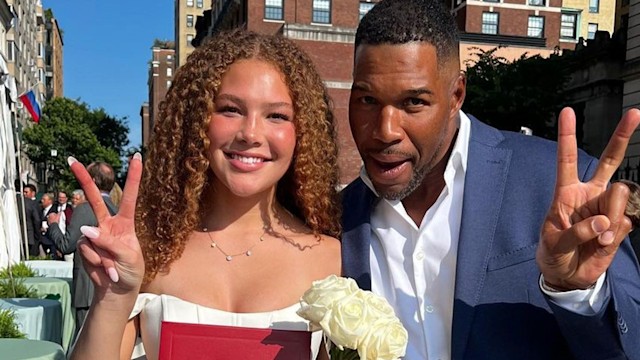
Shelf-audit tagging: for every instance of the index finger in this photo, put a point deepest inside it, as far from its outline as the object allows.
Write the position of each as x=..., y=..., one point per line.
x=90, y=189
x=567, y=167
x=613, y=154
x=131, y=186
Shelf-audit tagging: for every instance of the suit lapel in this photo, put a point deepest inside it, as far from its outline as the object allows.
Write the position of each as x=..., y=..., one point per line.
x=487, y=169
x=356, y=238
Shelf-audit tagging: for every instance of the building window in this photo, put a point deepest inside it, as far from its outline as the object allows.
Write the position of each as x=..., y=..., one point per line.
x=11, y=50
x=594, y=6
x=169, y=57
x=322, y=11
x=568, y=23
x=169, y=71
x=490, y=22
x=190, y=3
x=536, y=2
x=189, y=40
x=199, y=4
x=189, y=20
x=364, y=8
x=491, y=0
x=591, y=31
x=40, y=50
x=536, y=27
x=41, y=75
x=168, y=84
x=273, y=10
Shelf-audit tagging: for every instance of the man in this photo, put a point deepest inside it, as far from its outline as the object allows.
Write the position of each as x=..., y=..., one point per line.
x=445, y=220
x=30, y=191
x=32, y=218
x=64, y=207
x=77, y=197
x=48, y=208
x=82, y=288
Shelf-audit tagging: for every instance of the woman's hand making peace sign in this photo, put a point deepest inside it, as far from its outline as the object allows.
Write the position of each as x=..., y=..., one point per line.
x=111, y=253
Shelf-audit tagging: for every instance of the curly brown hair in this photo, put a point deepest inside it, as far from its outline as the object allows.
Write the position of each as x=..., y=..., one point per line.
x=177, y=169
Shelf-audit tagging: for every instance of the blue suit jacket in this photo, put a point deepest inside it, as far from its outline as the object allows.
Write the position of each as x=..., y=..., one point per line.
x=499, y=311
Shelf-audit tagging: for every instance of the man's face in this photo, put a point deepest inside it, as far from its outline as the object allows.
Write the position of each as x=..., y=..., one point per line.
x=62, y=198
x=28, y=193
x=46, y=201
x=403, y=113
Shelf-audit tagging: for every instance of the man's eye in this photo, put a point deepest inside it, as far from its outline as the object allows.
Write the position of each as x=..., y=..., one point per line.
x=414, y=102
x=368, y=100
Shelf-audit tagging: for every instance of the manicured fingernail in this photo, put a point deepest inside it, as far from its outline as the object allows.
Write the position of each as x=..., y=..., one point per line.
x=137, y=156
x=113, y=274
x=71, y=160
x=607, y=238
x=90, y=231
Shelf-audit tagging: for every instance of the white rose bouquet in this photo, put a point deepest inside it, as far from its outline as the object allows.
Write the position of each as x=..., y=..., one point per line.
x=359, y=323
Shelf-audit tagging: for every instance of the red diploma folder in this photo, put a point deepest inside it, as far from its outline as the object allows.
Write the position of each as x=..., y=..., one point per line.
x=194, y=341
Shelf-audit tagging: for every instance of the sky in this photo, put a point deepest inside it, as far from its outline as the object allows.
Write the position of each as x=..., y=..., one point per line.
x=107, y=45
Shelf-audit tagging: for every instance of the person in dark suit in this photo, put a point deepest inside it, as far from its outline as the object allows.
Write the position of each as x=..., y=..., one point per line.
x=49, y=207
x=458, y=225
x=32, y=218
x=64, y=206
x=82, y=288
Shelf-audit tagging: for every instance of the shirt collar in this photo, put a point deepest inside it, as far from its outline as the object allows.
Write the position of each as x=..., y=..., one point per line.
x=457, y=161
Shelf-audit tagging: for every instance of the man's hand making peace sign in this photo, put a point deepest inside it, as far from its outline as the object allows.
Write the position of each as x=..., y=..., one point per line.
x=586, y=223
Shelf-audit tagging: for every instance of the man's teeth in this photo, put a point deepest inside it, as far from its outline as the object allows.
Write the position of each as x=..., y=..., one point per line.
x=246, y=160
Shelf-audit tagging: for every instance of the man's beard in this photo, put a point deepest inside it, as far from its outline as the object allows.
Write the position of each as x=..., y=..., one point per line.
x=416, y=179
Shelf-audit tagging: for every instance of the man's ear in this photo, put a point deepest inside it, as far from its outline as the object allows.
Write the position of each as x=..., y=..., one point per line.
x=458, y=92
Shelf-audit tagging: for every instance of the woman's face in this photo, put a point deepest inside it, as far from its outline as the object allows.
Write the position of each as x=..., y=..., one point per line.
x=252, y=133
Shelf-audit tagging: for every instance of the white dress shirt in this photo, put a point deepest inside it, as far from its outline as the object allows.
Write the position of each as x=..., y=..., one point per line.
x=45, y=211
x=415, y=267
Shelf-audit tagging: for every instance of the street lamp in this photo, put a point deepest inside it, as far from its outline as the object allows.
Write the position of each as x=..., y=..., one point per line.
x=54, y=153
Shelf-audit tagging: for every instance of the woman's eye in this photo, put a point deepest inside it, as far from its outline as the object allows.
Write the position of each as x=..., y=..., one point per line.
x=279, y=116
x=229, y=109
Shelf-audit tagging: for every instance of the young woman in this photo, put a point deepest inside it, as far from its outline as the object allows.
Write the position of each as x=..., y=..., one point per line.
x=237, y=212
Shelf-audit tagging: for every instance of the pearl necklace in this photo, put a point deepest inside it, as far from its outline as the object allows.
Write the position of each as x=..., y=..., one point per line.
x=230, y=257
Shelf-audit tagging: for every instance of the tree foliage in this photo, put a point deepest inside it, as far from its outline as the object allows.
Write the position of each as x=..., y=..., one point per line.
x=510, y=94
x=73, y=129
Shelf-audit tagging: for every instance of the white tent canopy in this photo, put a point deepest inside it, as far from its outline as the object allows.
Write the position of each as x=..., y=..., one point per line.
x=9, y=219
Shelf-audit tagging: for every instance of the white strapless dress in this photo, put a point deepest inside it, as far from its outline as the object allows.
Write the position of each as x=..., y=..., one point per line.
x=153, y=309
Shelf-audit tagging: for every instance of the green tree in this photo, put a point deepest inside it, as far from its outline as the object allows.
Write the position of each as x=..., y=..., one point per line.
x=69, y=127
x=510, y=94
x=112, y=132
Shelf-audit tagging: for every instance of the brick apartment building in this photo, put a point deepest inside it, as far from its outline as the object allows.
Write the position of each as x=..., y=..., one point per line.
x=326, y=30
x=530, y=26
x=161, y=69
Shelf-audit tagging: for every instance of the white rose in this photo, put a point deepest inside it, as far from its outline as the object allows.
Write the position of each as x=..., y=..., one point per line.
x=323, y=294
x=385, y=340
x=347, y=322
x=378, y=307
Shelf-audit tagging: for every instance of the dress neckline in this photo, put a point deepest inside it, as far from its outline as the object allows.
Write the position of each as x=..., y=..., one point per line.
x=172, y=297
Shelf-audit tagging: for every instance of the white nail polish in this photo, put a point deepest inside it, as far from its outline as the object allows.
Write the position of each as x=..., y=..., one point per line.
x=138, y=156
x=90, y=232
x=113, y=274
x=71, y=160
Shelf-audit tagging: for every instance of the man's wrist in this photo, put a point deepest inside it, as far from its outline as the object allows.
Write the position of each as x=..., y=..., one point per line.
x=554, y=287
